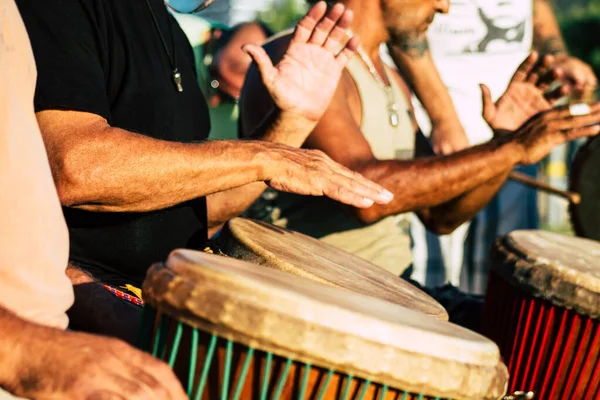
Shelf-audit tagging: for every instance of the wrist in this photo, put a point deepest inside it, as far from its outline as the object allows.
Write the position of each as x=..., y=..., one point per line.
x=16, y=350
x=265, y=159
x=289, y=128
x=513, y=149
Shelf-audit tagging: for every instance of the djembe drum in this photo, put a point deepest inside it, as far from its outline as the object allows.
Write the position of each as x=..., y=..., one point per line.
x=279, y=248
x=584, y=179
x=541, y=308
x=234, y=330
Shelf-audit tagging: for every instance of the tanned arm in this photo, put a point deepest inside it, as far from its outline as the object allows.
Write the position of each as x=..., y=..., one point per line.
x=413, y=58
x=97, y=167
x=419, y=185
x=547, y=38
x=39, y=362
x=459, y=184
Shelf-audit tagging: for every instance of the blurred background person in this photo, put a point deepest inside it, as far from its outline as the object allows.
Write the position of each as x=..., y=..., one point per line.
x=478, y=41
x=221, y=64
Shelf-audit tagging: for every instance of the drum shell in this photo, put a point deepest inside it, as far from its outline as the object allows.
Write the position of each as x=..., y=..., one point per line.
x=338, y=384
x=549, y=349
x=314, y=323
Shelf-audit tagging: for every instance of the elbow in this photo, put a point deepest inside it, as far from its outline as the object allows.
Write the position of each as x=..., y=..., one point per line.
x=369, y=215
x=443, y=228
x=439, y=226
x=70, y=178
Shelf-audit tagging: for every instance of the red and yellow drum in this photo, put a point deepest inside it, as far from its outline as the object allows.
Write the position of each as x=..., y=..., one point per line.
x=542, y=309
x=234, y=330
x=279, y=248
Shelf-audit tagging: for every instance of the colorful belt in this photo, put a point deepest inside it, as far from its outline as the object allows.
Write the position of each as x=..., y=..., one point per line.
x=125, y=296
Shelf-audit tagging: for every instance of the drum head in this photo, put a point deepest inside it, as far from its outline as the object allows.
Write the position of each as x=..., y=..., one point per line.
x=564, y=270
x=326, y=326
x=584, y=179
x=293, y=252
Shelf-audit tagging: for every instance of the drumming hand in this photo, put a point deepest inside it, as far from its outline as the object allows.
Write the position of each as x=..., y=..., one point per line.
x=312, y=172
x=578, y=75
x=305, y=80
x=527, y=94
x=69, y=365
x=549, y=129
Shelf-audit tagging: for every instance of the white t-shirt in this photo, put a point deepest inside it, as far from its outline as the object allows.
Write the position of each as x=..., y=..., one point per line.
x=478, y=41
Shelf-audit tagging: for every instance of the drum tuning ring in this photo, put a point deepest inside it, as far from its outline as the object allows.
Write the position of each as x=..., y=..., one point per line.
x=520, y=396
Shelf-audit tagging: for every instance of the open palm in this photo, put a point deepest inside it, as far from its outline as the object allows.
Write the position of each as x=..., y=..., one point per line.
x=307, y=76
x=526, y=95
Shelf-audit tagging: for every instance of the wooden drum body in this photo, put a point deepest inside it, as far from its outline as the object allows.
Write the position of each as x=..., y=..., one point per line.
x=233, y=330
x=541, y=309
x=279, y=248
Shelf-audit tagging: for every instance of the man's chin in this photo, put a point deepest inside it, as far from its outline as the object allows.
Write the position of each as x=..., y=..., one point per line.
x=422, y=29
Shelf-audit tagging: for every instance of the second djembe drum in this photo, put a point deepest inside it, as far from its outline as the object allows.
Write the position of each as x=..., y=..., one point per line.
x=279, y=248
x=542, y=308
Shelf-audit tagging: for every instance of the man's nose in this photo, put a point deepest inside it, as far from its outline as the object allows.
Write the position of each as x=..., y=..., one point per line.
x=442, y=6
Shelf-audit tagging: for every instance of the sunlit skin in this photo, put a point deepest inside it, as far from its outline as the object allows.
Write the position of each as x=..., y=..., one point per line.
x=444, y=191
x=410, y=17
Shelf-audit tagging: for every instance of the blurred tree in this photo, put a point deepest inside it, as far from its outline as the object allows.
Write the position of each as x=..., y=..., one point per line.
x=283, y=14
x=580, y=24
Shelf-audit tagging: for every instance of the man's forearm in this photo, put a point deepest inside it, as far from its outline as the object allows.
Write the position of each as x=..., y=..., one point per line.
x=547, y=38
x=413, y=59
x=120, y=171
x=427, y=183
x=445, y=218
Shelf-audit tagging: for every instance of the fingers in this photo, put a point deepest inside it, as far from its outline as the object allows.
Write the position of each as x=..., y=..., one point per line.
x=355, y=191
x=564, y=113
x=522, y=73
x=557, y=93
x=489, y=108
x=355, y=176
x=166, y=381
x=350, y=187
x=263, y=61
x=154, y=378
x=327, y=28
x=339, y=31
x=540, y=69
x=306, y=26
x=348, y=51
x=584, y=132
x=326, y=25
x=577, y=122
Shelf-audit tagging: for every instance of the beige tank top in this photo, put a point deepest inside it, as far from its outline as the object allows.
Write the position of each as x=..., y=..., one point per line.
x=385, y=243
